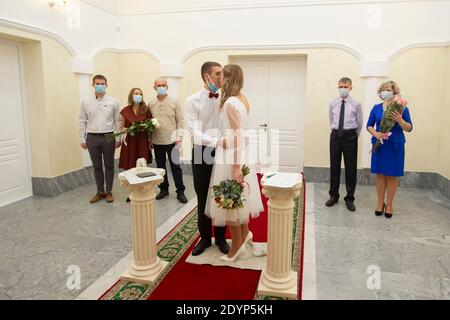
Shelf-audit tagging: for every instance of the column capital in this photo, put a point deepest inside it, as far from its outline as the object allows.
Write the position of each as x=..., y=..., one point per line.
x=377, y=69
x=82, y=66
x=171, y=70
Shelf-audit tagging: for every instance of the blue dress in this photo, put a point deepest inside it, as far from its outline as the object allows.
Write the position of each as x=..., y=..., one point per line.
x=389, y=159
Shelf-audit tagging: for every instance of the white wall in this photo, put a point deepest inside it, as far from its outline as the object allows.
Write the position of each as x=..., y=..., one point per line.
x=187, y=25
x=95, y=28
x=401, y=24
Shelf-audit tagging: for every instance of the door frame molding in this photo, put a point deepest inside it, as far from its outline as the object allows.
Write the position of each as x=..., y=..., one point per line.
x=24, y=106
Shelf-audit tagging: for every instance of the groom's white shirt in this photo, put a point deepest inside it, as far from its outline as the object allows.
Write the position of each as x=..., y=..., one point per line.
x=202, y=115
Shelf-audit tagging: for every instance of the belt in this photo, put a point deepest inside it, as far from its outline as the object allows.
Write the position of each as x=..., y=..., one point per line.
x=99, y=134
x=349, y=130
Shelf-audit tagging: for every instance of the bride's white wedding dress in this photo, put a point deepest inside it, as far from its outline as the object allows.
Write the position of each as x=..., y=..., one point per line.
x=233, y=121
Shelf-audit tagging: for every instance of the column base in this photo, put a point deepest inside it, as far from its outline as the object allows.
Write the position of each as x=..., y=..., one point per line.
x=288, y=289
x=144, y=277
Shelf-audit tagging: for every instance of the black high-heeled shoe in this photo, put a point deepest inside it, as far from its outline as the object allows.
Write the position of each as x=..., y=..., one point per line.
x=379, y=213
x=388, y=215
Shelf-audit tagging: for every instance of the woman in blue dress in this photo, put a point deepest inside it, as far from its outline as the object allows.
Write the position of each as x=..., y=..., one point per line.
x=388, y=161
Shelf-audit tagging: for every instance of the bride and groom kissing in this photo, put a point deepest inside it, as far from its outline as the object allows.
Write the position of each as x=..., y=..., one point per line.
x=217, y=124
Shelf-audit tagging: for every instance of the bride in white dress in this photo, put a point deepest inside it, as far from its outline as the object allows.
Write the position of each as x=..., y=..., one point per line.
x=231, y=154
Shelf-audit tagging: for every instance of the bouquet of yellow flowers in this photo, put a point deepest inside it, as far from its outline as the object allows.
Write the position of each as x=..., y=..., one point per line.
x=148, y=126
x=228, y=194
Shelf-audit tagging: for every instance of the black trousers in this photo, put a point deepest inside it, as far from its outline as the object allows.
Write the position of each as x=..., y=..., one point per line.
x=202, y=165
x=174, y=160
x=347, y=145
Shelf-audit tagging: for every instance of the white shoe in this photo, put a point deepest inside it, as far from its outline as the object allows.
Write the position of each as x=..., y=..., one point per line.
x=248, y=238
x=236, y=255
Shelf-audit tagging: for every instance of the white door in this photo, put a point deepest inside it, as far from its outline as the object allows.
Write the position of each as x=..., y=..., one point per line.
x=15, y=179
x=276, y=89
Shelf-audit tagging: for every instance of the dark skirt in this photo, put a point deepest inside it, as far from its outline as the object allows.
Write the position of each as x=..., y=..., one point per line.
x=389, y=159
x=137, y=147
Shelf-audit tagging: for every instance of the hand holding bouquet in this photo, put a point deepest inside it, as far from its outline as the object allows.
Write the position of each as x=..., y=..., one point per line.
x=228, y=194
x=147, y=126
x=393, y=110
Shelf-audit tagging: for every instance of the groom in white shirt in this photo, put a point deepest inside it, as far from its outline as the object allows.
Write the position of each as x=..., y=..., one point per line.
x=202, y=115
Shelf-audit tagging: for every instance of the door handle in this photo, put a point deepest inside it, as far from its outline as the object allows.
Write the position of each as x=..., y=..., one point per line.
x=263, y=125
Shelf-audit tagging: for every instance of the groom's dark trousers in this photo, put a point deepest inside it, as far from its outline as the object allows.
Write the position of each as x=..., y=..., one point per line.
x=202, y=165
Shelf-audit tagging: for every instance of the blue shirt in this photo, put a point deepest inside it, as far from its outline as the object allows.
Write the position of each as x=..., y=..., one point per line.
x=376, y=115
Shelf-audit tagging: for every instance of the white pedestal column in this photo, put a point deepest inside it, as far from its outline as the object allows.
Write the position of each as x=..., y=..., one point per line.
x=146, y=266
x=278, y=279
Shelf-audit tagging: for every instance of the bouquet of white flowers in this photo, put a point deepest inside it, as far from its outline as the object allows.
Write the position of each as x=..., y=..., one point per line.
x=147, y=126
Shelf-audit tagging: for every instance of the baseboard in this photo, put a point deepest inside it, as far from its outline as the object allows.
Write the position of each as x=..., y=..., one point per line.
x=411, y=179
x=50, y=187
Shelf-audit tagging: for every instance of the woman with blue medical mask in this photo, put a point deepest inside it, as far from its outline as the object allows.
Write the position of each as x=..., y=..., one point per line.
x=137, y=146
x=388, y=161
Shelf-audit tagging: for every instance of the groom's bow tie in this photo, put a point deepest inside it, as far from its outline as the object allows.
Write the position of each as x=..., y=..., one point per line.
x=213, y=95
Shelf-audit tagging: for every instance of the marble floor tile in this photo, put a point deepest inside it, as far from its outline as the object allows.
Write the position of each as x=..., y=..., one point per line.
x=411, y=250
x=42, y=237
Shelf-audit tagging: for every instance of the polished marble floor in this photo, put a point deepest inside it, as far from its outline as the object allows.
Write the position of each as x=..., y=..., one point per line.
x=344, y=251
x=42, y=237
x=410, y=252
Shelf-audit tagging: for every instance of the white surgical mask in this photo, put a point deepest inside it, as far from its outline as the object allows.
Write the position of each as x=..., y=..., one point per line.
x=387, y=95
x=343, y=92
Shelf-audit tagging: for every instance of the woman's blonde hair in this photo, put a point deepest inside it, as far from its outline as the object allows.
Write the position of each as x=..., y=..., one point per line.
x=233, y=82
x=389, y=84
x=142, y=106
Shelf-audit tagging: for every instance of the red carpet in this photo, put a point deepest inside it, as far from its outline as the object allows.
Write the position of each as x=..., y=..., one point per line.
x=204, y=282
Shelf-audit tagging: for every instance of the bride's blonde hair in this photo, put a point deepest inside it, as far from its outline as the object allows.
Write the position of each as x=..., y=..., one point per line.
x=233, y=82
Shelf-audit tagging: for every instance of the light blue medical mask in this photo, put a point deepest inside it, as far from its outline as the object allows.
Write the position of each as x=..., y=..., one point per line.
x=100, y=88
x=161, y=91
x=211, y=85
x=387, y=95
x=137, y=99
x=343, y=92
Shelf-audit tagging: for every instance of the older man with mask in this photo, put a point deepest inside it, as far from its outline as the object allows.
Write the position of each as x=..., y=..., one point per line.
x=167, y=138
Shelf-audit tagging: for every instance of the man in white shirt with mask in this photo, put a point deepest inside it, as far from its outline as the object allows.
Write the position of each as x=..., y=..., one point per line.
x=99, y=117
x=202, y=114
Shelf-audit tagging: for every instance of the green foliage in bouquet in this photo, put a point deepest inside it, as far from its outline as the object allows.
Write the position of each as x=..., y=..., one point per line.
x=147, y=126
x=387, y=123
x=228, y=194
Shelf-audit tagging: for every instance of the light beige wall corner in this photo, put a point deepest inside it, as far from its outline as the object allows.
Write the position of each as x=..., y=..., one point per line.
x=63, y=108
x=52, y=104
x=420, y=74
x=444, y=154
x=138, y=70
x=36, y=109
x=108, y=64
x=325, y=68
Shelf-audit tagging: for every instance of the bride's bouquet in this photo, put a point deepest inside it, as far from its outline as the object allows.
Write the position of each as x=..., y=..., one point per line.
x=228, y=194
x=147, y=126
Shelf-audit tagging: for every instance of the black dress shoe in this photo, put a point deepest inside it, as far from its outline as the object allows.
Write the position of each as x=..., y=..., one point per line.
x=223, y=245
x=181, y=197
x=388, y=215
x=162, y=194
x=200, y=247
x=350, y=205
x=379, y=213
x=128, y=199
x=331, y=202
